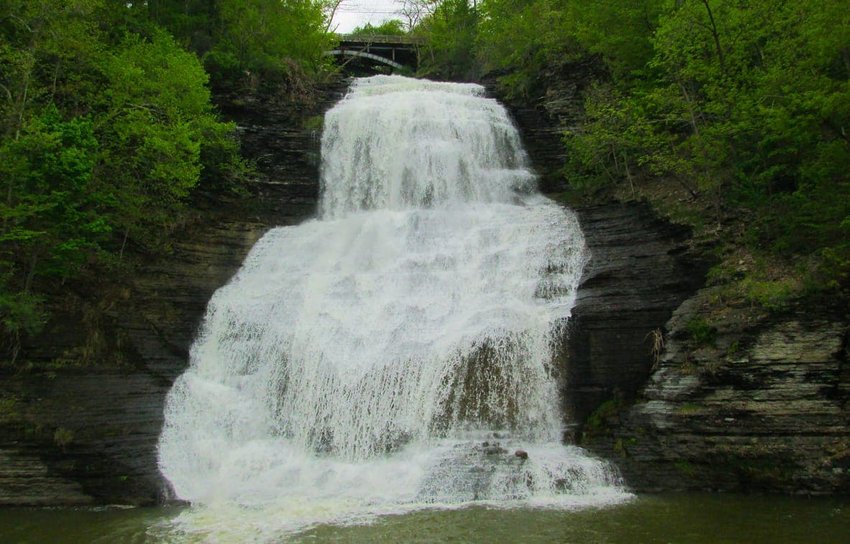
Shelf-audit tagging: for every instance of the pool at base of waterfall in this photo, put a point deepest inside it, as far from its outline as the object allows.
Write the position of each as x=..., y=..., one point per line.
x=682, y=518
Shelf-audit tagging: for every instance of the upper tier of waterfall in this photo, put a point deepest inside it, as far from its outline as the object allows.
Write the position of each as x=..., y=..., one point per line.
x=395, y=143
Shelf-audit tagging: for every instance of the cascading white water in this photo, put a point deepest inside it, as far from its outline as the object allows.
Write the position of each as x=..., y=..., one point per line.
x=394, y=352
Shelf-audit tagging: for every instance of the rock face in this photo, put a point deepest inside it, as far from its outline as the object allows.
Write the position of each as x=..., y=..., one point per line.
x=761, y=406
x=87, y=434
x=755, y=401
x=557, y=107
x=640, y=270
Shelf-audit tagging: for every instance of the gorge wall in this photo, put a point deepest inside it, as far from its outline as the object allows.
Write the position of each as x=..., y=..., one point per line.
x=683, y=390
x=762, y=405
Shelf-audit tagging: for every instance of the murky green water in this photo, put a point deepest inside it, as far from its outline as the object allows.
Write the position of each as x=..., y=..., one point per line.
x=647, y=519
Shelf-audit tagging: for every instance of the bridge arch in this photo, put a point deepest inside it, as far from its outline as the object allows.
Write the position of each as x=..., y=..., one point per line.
x=365, y=55
x=396, y=52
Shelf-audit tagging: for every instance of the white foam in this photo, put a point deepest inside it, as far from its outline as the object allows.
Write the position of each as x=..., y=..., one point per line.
x=356, y=363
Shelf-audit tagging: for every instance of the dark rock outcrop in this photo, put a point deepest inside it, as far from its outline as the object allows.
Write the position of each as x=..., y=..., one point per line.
x=640, y=270
x=758, y=400
x=77, y=434
x=760, y=405
x=281, y=137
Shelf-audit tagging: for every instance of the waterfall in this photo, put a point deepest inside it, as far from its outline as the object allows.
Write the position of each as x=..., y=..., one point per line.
x=397, y=350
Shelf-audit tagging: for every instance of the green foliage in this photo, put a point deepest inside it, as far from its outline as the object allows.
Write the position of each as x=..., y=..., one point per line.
x=48, y=213
x=314, y=123
x=512, y=41
x=8, y=409
x=63, y=437
x=277, y=41
x=616, y=141
x=160, y=123
x=770, y=294
x=743, y=104
x=107, y=130
x=393, y=27
x=701, y=332
x=686, y=468
x=620, y=32
x=21, y=311
x=599, y=420
x=689, y=409
x=272, y=38
x=450, y=34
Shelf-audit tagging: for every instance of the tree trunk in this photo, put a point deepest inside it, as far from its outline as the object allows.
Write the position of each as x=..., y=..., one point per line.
x=691, y=110
x=629, y=173
x=714, y=34
x=31, y=272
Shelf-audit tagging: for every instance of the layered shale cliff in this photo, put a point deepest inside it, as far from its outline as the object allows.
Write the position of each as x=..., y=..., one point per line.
x=681, y=388
x=752, y=402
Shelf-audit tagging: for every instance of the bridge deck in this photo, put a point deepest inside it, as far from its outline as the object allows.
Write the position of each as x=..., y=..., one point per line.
x=397, y=52
x=382, y=39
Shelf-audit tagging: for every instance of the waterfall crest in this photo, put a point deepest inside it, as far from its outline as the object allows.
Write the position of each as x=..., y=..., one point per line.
x=396, y=350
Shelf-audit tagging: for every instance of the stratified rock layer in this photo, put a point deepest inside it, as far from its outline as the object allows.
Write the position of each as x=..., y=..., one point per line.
x=759, y=402
x=757, y=407
x=640, y=270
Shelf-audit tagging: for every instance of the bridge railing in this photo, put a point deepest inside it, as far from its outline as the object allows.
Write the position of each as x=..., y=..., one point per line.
x=381, y=38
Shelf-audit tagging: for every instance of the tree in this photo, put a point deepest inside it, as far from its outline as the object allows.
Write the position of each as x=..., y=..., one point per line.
x=450, y=31
x=105, y=135
x=269, y=37
x=393, y=27
x=416, y=11
x=156, y=122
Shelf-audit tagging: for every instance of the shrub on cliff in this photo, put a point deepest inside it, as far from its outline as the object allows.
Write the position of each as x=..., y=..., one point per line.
x=104, y=137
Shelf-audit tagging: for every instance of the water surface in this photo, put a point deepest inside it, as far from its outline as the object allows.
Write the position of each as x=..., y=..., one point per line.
x=691, y=518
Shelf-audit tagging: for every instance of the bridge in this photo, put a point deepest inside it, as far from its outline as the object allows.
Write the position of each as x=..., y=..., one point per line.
x=379, y=53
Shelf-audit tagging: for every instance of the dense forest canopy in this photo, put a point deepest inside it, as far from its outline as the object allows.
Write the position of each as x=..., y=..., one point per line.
x=743, y=105
x=108, y=129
